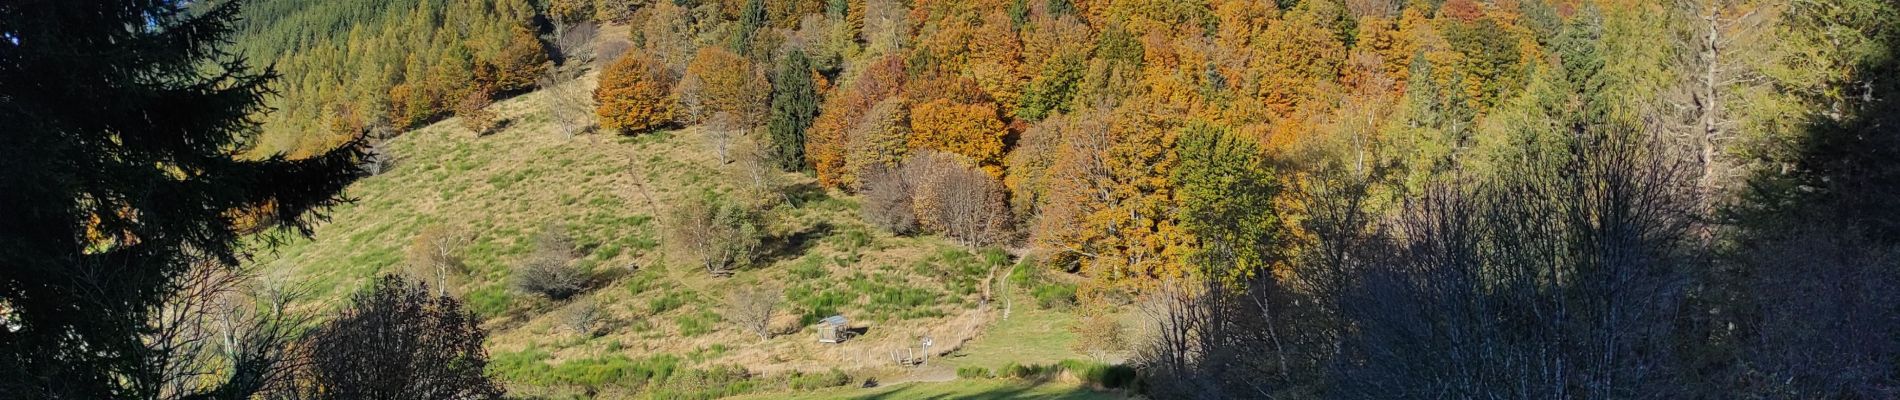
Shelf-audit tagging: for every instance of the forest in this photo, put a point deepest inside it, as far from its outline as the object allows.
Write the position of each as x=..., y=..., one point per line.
x=1356, y=199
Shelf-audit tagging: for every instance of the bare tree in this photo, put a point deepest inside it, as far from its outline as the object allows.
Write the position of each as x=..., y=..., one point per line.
x=213, y=328
x=887, y=201
x=575, y=42
x=755, y=169
x=951, y=197
x=570, y=107
x=1725, y=63
x=434, y=256
x=752, y=308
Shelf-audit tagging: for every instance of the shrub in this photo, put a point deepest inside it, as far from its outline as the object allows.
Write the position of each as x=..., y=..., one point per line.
x=973, y=372
x=586, y=319
x=1100, y=374
x=553, y=278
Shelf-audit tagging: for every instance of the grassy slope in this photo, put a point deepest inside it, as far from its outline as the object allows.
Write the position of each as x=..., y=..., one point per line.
x=506, y=187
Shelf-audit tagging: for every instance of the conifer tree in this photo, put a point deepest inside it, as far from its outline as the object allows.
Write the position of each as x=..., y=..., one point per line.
x=122, y=119
x=794, y=106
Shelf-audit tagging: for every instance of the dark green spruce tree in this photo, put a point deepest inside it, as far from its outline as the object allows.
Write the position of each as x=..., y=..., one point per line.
x=794, y=106
x=121, y=121
x=750, y=20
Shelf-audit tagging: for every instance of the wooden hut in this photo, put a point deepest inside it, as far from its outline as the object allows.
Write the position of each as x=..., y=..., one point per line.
x=834, y=329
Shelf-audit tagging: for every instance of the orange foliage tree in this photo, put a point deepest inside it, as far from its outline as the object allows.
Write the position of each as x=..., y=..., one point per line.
x=825, y=142
x=634, y=96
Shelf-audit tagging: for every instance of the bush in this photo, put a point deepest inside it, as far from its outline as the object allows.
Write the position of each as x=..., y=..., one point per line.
x=586, y=319
x=973, y=372
x=550, y=271
x=553, y=278
x=1100, y=374
x=397, y=340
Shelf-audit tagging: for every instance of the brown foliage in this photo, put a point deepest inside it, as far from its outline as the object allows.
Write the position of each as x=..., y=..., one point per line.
x=474, y=112
x=887, y=201
x=951, y=197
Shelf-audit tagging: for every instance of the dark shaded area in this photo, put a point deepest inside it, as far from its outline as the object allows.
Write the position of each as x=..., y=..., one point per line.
x=398, y=341
x=793, y=245
x=1586, y=273
x=118, y=178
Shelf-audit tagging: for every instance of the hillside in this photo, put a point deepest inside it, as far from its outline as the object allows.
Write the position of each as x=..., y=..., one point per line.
x=507, y=187
x=1195, y=199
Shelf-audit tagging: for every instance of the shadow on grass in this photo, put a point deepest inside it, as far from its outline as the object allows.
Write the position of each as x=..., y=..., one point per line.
x=1017, y=389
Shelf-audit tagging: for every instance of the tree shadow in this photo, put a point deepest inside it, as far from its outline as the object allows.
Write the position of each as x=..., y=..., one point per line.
x=795, y=244
x=803, y=193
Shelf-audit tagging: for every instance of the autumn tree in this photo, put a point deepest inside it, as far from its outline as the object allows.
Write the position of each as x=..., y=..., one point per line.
x=825, y=143
x=969, y=130
x=725, y=90
x=1109, y=209
x=794, y=105
x=877, y=141
x=518, y=65
x=633, y=96
x=473, y=110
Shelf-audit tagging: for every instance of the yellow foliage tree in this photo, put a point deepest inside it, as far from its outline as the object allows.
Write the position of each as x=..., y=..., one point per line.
x=969, y=130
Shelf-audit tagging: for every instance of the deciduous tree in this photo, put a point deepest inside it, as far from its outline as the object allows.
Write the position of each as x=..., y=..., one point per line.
x=634, y=96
